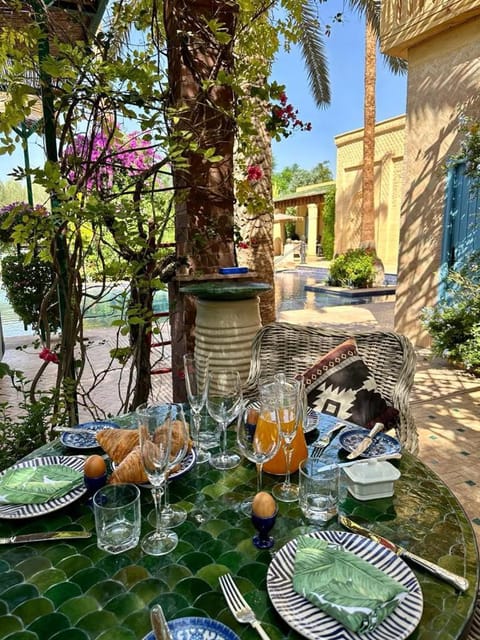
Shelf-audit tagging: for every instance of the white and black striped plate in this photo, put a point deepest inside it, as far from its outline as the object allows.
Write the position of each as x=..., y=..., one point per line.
x=18, y=511
x=313, y=623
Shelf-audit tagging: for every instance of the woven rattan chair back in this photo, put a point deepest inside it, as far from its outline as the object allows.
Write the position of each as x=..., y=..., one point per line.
x=288, y=348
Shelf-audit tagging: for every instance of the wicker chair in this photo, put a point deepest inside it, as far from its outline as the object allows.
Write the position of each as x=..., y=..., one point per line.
x=289, y=348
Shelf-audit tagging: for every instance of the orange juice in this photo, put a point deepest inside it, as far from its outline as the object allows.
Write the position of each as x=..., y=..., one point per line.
x=278, y=464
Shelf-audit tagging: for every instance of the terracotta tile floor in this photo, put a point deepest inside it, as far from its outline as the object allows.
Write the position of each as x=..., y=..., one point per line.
x=446, y=405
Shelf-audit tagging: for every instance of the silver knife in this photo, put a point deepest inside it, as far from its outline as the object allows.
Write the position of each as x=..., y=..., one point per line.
x=452, y=578
x=45, y=535
x=366, y=442
x=74, y=430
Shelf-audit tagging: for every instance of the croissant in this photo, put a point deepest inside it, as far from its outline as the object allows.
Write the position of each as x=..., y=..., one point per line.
x=117, y=443
x=130, y=469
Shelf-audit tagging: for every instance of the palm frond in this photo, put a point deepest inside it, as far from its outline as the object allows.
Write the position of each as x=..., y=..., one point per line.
x=314, y=55
x=371, y=10
x=398, y=66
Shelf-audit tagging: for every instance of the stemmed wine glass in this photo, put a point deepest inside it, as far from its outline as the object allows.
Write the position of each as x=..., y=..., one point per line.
x=196, y=386
x=259, y=439
x=155, y=431
x=224, y=403
x=291, y=410
x=172, y=516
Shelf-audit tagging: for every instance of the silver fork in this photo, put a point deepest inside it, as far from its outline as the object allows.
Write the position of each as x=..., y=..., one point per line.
x=239, y=606
x=322, y=443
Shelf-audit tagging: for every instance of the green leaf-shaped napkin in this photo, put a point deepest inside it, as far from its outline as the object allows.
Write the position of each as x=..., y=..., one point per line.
x=33, y=485
x=344, y=586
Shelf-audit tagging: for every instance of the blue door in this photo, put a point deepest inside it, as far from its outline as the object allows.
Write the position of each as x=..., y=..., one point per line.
x=461, y=230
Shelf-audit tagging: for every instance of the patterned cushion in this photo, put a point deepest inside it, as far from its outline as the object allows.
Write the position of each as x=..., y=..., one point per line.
x=342, y=385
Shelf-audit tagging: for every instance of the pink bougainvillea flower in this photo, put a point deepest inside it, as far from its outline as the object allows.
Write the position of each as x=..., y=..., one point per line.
x=48, y=356
x=243, y=245
x=254, y=173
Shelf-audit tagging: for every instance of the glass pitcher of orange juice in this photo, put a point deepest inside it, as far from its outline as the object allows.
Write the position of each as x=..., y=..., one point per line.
x=278, y=395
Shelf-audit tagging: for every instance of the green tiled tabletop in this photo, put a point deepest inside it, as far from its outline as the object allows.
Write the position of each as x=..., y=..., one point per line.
x=74, y=591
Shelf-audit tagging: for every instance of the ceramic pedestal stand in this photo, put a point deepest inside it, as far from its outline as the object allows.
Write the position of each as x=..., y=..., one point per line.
x=227, y=320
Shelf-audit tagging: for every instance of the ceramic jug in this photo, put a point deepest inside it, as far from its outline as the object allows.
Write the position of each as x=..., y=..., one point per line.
x=275, y=395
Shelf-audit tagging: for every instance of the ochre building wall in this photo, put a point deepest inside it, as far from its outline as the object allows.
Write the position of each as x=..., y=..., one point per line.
x=389, y=149
x=443, y=79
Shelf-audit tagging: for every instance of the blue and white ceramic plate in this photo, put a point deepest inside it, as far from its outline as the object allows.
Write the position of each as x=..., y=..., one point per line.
x=311, y=421
x=185, y=465
x=312, y=623
x=85, y=440
x=382, y=444
x=18, y=511
x=197, y=629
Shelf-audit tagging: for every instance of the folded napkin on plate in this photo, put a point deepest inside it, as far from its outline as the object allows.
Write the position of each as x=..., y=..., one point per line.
x=33, y=485
x=344, y=586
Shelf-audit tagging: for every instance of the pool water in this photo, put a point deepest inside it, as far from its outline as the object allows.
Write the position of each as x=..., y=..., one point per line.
x=290, y=292
x=100, y=314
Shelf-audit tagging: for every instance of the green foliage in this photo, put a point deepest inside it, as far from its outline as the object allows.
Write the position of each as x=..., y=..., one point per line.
x=328, y=237
x=355, y=269
x=454, y=323
x=26, y=431
x=288, y=179
x=26, y=286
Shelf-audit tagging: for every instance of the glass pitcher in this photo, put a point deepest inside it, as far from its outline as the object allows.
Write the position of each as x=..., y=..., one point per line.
x=275, y=394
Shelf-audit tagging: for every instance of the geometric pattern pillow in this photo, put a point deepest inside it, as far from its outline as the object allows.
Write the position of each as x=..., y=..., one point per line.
x=342, y=385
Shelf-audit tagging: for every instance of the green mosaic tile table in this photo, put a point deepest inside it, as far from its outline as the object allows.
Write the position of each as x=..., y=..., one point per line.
x=74, y=591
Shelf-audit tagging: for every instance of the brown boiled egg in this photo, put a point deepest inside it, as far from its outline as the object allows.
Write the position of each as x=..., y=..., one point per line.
x=94, y=466
x=263, y=505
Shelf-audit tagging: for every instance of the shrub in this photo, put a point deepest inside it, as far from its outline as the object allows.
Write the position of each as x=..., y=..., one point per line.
x=23, y=426
x=26, y=285
x=328, y=236
x=355, y=268
x=454, y=323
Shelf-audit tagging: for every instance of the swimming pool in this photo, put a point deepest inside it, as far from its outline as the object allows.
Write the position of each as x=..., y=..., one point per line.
x=291, y=294
x=290, y=291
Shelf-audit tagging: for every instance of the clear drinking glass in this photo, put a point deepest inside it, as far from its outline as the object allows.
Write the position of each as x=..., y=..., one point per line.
x=173, y=515
x=259, y=439
x=196, y=386
x=155, y=431
x=291, y=411
x=224, y=403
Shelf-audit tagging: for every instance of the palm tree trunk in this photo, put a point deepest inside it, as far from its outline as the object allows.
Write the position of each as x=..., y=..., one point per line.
x=367, y=231
x=204, y=189
x=257, y=229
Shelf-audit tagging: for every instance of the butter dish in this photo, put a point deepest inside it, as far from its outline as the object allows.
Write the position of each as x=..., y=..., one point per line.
x=371, y=479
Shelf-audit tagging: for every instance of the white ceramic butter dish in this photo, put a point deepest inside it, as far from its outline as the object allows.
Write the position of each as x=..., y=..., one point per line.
x=371, y=479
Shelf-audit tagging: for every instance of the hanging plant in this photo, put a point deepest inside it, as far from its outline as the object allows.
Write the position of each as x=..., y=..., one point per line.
x=19, y=213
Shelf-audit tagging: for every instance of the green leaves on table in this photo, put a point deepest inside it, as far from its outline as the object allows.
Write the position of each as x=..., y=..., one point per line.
x=344, y=586
x=34, y=485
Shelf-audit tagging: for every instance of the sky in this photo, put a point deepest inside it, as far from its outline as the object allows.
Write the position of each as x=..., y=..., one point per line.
x=344, y=50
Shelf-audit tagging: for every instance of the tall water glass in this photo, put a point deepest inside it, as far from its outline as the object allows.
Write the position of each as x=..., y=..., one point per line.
x=173, y=515
x=224, y=403
x=259, y=439
x=196, y=386
x=155, y=434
